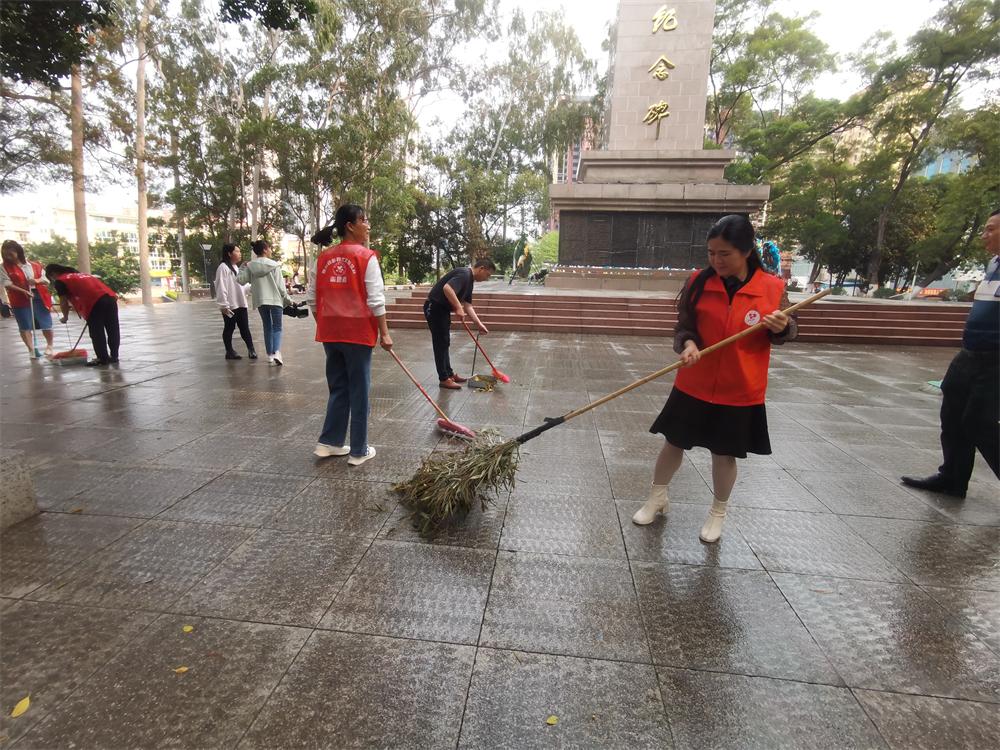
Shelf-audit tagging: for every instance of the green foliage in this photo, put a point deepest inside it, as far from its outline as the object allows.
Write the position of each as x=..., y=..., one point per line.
x=838, y=291
x=115, y=266
x=56, y=250
x=884, y=292
x=546, y=250
x=274, y=14
x=42, y=41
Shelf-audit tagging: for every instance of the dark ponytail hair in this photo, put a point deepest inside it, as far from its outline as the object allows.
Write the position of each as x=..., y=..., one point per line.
x=324, y=237
x=227, y=255
x=258, y=247
x=735, y=229
x=346, y=214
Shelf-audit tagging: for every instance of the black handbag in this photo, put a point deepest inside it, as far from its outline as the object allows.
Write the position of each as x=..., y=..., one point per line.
x=295, y=311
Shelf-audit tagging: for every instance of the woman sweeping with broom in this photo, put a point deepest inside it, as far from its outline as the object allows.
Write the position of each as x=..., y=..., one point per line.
x=730, y=304
x=718, y=403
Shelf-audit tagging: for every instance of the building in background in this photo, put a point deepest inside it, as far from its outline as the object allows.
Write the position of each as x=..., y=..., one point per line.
x=566, y=163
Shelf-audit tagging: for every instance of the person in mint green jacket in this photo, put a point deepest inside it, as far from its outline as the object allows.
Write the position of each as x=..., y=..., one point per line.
x=269, y=296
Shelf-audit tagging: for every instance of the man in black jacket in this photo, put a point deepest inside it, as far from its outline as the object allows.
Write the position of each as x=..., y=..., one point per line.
x=453, y=294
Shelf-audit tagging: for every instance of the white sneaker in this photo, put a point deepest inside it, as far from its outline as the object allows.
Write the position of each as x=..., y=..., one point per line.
x=358, y=460
x=325, y=451
x=270, y=359
x=48, y=352
x=658, y=502
x=712, y=529
x=277, y=358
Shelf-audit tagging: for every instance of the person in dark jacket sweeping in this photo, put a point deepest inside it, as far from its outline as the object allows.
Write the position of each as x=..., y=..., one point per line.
x=718, y=403
x=453, y=294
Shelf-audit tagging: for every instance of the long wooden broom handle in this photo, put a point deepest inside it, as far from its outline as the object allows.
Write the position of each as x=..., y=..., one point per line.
x=660, y=373
x=420, y=387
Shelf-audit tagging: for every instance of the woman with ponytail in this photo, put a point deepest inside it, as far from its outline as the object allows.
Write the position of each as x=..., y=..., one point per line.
x=231, y=297
x=347, y=298
x=718, y=403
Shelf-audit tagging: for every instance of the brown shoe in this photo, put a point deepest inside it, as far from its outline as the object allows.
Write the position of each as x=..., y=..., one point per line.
x=450, y=384
x=458, y=378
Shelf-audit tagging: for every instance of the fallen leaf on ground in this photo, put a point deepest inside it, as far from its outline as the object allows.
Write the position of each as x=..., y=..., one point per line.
x=77, y=510
x=21, y=707
x=552, y=721
x=188, y=628
x=181, y=670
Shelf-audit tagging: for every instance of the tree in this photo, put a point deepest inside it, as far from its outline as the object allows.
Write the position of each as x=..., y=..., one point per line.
x=273, y=14
x=761, y=65
x=918, y=89
x=43, y=41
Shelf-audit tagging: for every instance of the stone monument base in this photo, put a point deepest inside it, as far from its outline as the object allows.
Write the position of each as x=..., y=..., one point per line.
x=617, y=279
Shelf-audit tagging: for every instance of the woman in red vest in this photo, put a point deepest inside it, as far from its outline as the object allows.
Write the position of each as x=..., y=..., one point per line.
x=27, y=289
x=718, y=403
x=93, y=301
x=347, y=297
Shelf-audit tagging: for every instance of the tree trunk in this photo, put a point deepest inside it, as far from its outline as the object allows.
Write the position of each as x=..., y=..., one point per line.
x=140, y=155
x=79, y=196
x=185, y=285
x=258, y=163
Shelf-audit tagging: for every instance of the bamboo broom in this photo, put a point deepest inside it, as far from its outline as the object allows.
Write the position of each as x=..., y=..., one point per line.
x=448, y=485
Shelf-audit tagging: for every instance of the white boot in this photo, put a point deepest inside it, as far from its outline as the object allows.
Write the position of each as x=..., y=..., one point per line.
x=712, y=529
x=658, y=502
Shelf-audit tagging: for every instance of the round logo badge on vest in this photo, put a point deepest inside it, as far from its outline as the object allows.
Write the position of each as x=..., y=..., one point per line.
x=752, y=318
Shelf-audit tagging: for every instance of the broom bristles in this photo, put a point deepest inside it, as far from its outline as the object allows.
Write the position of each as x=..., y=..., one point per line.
x=447, y=486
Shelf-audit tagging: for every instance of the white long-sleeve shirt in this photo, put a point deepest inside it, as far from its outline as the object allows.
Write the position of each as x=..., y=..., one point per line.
x=228, y=291
x=374, y=286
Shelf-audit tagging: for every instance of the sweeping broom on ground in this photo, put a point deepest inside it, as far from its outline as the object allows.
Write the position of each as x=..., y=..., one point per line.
x=447, y=486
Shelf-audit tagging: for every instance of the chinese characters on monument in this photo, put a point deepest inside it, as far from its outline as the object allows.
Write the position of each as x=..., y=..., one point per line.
x=665, y=19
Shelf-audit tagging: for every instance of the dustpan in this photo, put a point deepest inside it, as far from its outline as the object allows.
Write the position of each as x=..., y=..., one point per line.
x=480, y=382
x=74, y=356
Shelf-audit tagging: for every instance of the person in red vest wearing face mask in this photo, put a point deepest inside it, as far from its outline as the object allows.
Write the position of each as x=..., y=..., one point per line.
x=347, y=297
x=27, y=289
x=718, y=402
x=93, y=301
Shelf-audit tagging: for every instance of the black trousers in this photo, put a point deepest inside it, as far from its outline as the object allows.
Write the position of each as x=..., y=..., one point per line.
x=970, y=411
x=240, y=318
x=438, y=319
x=104, y=331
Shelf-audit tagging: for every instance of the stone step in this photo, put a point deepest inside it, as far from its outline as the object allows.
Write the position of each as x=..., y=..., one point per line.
x=827, y=322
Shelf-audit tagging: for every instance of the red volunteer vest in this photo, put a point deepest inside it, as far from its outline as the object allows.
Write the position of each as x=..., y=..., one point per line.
x=84, y=291
x=342, y=313
x=17, y=277
x=735, y=375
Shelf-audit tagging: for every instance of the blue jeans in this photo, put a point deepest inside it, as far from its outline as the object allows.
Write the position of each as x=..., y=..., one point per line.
x=349, y=377
x=270, y=316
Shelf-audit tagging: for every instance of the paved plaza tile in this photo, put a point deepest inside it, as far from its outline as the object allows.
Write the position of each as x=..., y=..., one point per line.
x=186, y=523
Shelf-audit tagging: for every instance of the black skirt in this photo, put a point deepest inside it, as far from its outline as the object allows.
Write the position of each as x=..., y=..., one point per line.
x=689, y=422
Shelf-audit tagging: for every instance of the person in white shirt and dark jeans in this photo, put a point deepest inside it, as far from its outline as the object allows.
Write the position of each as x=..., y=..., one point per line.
x=231, y=297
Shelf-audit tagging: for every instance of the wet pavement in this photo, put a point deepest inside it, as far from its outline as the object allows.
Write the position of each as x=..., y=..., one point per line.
x=186, y=524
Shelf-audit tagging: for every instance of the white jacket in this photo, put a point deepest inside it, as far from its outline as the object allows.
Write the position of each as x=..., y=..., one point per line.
x=228, y=291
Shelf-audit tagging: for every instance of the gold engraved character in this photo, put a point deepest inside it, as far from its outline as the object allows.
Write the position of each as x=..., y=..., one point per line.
x=661, y=68
x=665, y=19
x=656, y=112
